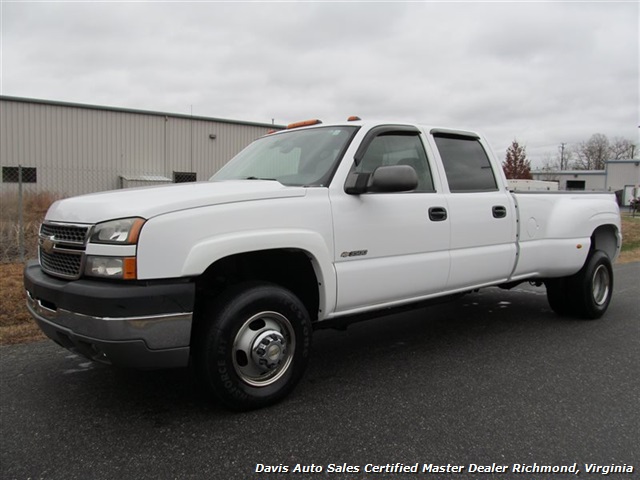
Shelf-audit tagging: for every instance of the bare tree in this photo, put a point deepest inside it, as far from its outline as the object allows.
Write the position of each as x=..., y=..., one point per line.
x=621, y=149
x=516, y=165
x=564, y=157
x=592, y=154
x=550, y=168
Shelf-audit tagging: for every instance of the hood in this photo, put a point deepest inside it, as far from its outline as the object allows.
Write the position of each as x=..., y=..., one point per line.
x=148, y=202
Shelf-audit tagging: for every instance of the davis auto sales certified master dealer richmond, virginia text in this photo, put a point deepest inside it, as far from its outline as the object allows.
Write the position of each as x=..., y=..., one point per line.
x=448, y=468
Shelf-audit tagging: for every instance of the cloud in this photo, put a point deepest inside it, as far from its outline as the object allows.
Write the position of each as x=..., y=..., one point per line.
x=544, y=73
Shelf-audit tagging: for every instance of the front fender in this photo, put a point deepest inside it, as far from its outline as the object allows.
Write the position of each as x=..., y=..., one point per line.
x=211, y=250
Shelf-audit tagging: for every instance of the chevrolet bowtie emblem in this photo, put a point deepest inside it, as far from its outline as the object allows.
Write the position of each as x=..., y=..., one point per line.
x=47, y=245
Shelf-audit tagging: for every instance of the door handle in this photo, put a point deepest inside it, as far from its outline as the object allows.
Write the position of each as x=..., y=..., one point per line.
x=437, y=214
x=499, y=211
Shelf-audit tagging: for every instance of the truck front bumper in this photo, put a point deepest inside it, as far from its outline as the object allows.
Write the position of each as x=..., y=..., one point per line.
x=141, y=325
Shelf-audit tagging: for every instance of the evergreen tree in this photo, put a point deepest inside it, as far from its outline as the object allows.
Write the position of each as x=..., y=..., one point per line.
x=516, y=165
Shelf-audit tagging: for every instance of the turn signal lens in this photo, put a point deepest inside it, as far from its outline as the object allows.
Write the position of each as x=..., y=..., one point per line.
x=129, y=271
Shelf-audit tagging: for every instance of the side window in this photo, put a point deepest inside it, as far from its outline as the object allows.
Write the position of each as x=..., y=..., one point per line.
x=466, y=164
x=184, y=177
x=398, y=149
x=14, y=175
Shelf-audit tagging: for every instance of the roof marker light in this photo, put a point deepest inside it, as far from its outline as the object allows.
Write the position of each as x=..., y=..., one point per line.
x=304, y=123
x=353, y=118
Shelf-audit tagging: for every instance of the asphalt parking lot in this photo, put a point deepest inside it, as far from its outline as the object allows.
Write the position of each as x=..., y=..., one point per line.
x=495, y=378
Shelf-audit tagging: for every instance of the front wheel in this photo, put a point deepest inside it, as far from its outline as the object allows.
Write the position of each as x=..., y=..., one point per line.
x=253, y=346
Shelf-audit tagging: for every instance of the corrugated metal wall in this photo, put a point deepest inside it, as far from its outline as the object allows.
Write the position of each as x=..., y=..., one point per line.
x=80, y=149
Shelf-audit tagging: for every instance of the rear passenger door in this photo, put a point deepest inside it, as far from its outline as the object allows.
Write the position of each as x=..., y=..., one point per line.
x=482, y=216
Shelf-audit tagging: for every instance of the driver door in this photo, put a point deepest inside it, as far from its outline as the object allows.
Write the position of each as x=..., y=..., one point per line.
x=390, y=248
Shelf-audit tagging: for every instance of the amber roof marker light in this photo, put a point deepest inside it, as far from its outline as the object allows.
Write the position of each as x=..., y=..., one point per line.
x=304, y=123
x=353, y=118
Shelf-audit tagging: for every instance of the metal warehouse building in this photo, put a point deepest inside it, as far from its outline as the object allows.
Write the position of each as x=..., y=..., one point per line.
x=621, y=176
x=70, y=149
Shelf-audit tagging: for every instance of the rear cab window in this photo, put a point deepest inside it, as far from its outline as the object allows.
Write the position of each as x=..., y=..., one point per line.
x=466, y=163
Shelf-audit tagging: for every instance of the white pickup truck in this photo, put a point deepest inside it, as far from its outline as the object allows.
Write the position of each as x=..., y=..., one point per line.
x=312, y=226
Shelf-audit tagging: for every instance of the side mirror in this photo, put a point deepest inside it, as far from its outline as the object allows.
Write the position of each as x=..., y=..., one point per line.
x=386, y=179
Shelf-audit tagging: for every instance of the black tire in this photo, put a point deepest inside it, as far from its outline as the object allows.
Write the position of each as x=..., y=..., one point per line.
x=559, y=297
x=252, y=345
x=593, y=286
x=586, y=294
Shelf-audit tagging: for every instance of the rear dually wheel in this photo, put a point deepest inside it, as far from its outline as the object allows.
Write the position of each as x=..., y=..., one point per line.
x=587, y=294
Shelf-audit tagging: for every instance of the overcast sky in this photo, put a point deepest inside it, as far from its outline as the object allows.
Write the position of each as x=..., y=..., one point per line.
x=543, y=73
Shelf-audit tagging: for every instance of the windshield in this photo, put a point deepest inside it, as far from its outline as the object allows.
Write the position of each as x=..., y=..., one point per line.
x=297, y=157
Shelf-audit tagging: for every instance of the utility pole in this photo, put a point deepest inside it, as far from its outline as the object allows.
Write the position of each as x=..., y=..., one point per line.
x=562, y=156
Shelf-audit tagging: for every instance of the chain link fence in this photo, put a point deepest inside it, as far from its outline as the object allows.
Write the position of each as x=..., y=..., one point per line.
x=23, y=208
x=27, y=193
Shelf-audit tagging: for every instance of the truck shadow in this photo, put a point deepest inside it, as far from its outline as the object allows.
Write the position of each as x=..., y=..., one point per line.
x=427, y=342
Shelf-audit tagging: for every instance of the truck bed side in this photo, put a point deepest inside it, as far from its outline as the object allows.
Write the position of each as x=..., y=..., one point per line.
x=556, y=231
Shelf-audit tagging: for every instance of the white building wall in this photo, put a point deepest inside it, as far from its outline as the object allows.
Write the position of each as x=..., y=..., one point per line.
x=618, y=176
x=624, y=175
x=593, y=180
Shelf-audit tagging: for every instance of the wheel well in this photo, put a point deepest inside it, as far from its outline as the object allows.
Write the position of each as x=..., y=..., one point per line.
x=605, y=238
x=289, y=268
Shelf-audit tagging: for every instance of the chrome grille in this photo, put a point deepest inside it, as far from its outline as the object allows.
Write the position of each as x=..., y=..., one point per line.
x=61, y=264
x=65, y=233
x=62, y=249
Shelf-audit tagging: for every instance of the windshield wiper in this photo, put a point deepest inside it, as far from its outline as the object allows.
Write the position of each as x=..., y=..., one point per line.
x=259, y=178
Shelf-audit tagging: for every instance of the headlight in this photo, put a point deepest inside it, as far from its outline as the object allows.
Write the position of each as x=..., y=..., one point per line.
x=117, y=232
x=123, y=232
x=123, y=268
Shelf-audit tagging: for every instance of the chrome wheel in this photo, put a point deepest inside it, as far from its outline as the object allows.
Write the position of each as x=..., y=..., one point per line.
x=601, y=285
x=263, y=348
